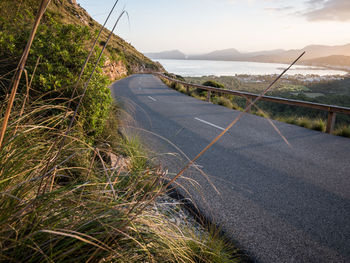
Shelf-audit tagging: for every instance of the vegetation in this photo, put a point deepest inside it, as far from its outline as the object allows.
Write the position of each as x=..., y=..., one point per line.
x=87, y=196
x=213, y=83
x=86, y=209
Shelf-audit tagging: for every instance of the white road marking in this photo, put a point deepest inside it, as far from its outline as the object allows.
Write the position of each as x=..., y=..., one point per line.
x=213, y=125
x=152, y=98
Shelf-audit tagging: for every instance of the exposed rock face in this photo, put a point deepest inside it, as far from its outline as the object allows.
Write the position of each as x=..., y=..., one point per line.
x=74, y=2
x=115, y=70
x=144, y=68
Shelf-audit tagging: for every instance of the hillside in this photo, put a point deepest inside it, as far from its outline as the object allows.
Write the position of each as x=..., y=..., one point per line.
x=118, y=49
x=122, y=58
x=334, y=60
x=312, y=52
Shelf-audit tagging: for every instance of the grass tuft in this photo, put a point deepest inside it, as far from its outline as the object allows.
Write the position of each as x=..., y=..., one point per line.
x=343, y=131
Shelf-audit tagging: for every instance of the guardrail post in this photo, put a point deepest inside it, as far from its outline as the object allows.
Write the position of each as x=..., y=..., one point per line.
x=187, y=90
x=208, y=95
x=331, y=121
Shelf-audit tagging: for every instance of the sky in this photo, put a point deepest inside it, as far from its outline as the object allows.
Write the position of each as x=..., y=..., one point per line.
x=200, y=26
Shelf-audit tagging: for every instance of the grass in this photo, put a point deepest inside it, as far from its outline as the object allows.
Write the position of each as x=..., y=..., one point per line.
x=82, y=207
x=343, y=131
x=313, y=124
x=223, y=102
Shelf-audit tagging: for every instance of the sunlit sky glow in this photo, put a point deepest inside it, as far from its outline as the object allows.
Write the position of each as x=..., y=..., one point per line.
x=198, y=26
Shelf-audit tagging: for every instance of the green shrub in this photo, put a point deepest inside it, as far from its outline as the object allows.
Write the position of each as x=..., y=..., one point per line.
x=209, y=83
x=213, y=83
x=62, y=51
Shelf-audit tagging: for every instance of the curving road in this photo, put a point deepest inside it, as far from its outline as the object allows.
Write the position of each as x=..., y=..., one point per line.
x=280, y=204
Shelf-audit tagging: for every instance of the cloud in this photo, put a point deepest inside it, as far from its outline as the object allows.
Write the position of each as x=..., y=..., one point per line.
x=334, y=10
x=279, y=9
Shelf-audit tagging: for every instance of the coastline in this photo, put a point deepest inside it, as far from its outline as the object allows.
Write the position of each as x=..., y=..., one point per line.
x=199, y=68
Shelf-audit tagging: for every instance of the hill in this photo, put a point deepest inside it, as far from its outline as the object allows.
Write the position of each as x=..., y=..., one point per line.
x=334, y=60
x=335, y=55
x=312, y=52
x=122, y=58
x=233, y=55
x=119, y=50
x=277, y=56
x=171, y=54
x=226, y=54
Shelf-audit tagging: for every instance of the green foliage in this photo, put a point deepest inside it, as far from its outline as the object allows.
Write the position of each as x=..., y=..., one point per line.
x=174, y=76
x=213, y=83
x=209, y=83
x=62, y=49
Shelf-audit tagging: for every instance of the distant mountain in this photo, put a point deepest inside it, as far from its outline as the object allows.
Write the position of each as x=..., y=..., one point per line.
x=233, y=55
x=316, y=54
x=312, y=52
x=266, y=52
x=171, y=54
x=334, y=60
x=226, y=54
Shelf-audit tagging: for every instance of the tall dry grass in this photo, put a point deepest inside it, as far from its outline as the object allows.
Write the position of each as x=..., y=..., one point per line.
x=86, y=209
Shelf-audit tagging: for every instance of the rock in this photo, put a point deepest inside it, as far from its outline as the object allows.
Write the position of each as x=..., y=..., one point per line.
x=119, y=162
x=114, y=70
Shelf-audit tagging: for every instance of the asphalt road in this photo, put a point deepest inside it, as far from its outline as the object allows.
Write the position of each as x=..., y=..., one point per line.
x=280, y=204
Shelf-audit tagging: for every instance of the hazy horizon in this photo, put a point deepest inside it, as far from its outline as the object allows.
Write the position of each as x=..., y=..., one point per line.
x=201, y=26
x=243, y=51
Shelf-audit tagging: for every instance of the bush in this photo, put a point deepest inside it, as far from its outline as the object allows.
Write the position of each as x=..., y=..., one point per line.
x=62, y=51
x=213, y=83
x=209, y=83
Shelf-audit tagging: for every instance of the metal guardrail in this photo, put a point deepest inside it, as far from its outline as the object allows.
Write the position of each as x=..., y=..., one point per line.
x=331, y=109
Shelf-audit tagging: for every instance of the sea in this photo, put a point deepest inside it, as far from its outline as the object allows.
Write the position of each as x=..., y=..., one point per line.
x=198, y=68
